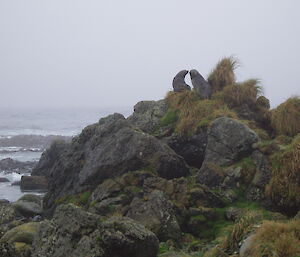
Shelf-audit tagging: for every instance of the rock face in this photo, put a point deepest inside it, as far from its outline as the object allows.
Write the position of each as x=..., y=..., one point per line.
x=156, y=214
x=147, y=114
x=105, y=150
x=38, y=183
x=76, y=233
x=191, y=148
x=228, y=141
x=256, y=190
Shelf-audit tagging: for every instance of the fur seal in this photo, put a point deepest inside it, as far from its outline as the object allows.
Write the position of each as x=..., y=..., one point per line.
x=179, y=84
x=200, y=85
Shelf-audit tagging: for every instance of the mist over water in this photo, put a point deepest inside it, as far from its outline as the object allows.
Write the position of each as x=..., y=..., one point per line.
x=60, y=121
x=33, y=123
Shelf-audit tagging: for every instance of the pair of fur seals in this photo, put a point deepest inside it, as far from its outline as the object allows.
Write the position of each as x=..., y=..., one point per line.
x=200, y=85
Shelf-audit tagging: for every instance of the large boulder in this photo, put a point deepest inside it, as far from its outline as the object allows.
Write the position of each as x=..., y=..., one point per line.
x=228, y=141
x=157, y=214
x=74, y=232
x=106, y=150
x=147, y=114
x=28, y=205
x=31, y=183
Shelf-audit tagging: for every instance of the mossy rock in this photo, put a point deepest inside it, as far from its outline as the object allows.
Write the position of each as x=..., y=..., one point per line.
x=31, y=198
x=22, y=234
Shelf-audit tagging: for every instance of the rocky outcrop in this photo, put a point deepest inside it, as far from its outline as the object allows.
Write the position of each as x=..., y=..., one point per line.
x=263, y=174
x=228, y=141
x=191, y=148
x=21, y=237
x=30, y=183
x=74, y=232
x=156, y=213
x=105, y=150
x=10, y=165
x=147, y=114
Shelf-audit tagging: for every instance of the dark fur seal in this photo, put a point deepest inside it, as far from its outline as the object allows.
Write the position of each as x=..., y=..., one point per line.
x=179, y=84
x=200, y=85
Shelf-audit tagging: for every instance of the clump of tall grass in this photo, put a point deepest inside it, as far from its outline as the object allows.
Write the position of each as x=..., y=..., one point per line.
x=193, y=112
x=284, y=187
x=223, y=74
x=237, y=94
x=276, y=239
x=263, y=102
x=285, y=119
x=240, y=229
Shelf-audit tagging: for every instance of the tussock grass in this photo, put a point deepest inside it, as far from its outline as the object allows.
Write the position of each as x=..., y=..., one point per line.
x=285, y=119
x=263, y=102
x=240, y=229
x=238, y=94
x=223, y=74
x=284, y=187
x=193, y=112
x=276, y=239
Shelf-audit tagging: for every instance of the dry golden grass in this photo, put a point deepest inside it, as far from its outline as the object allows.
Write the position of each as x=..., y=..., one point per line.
x=194, y=112
x=277, y=239
x=238, y=94
x=240, y=229
x=263, y=102
x=285, y=118
x=223, y=74
x=284, y=187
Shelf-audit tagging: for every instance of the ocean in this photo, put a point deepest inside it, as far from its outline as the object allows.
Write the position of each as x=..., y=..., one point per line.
x=26, y=133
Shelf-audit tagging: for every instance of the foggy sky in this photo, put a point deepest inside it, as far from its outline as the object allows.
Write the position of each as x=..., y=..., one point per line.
x=64, y=53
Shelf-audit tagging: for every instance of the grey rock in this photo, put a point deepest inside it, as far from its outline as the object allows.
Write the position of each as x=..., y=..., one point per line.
x=7, y=213
x=179, y=84
x=157, y=214
x=200, y=85
x=246, y=246
x=27, y=209
x=28, y=205
x=105, y=150
x=75, y=233
x=228, y=141
x=191, y=148
x=3, y=180
x=147, y=114
x=10, y=165
x=263, y=174
x=233, y=177
x=7, y=250
x=210, y=175
x=30, y=183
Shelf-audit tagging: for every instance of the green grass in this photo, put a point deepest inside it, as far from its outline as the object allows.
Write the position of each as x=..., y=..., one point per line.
x=78, y=199
x=169, y=118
